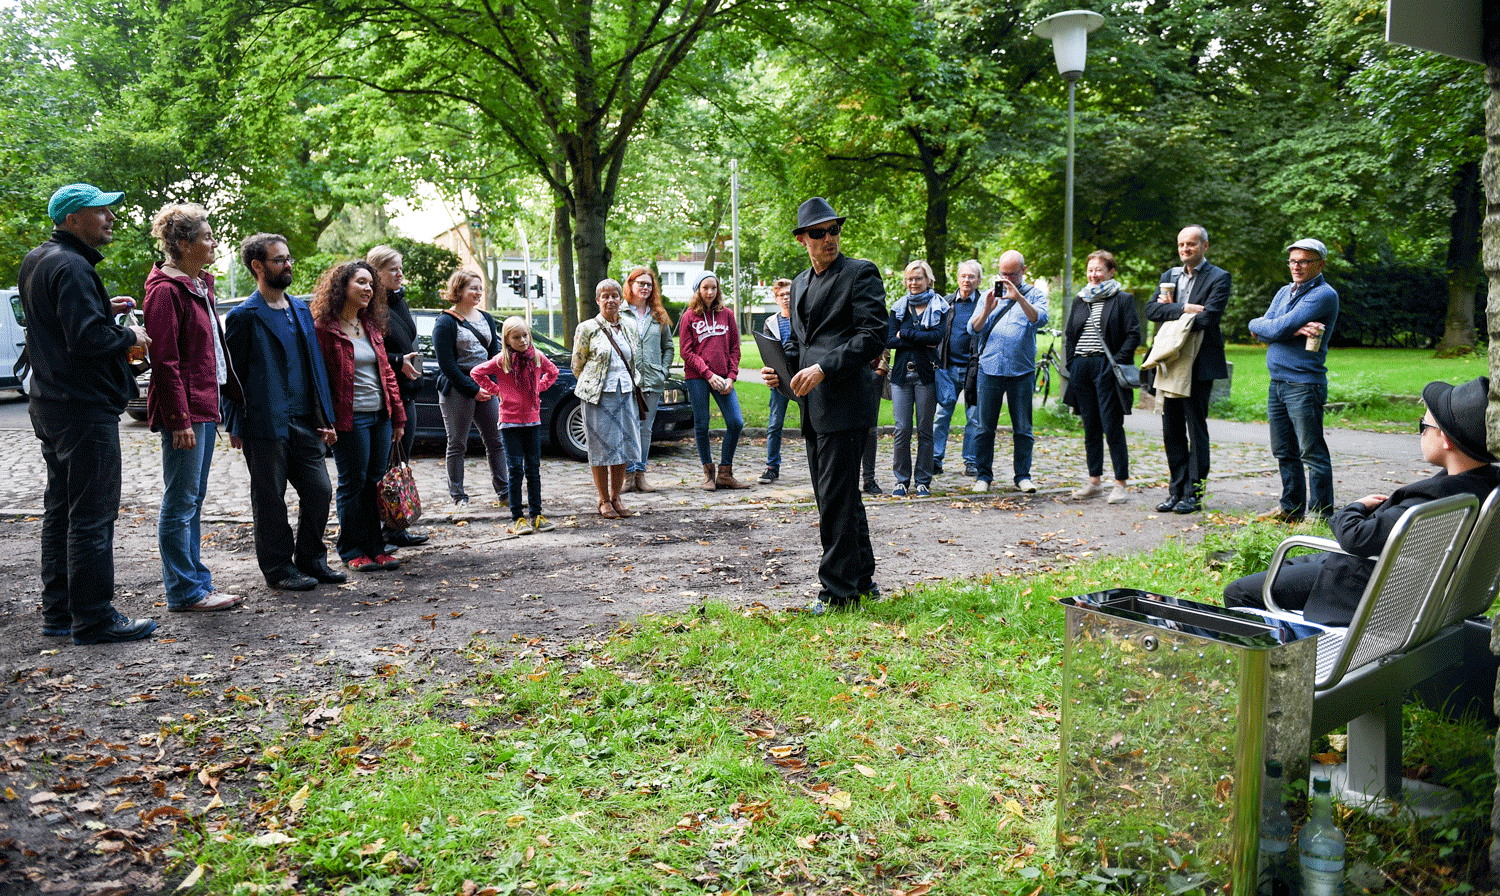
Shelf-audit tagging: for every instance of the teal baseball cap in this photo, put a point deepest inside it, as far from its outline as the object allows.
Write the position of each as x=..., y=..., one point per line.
x=73, y=197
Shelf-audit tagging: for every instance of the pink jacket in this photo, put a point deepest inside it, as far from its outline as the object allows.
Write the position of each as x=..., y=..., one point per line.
x=184, y=375
x=520, y=391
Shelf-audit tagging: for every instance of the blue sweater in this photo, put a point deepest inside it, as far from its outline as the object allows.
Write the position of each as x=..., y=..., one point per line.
x=1287, y=356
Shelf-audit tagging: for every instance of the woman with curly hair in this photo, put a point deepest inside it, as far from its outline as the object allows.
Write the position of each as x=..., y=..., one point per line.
x=348, y=309
x=190, y=370
x=653, y=327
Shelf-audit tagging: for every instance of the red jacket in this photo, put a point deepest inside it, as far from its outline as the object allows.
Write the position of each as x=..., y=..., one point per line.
x=184, y=375
x=709, y=346
x=520, y=391
x=338, y=354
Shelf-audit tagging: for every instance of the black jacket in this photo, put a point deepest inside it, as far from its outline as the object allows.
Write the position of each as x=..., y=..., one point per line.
x=839, y=322
x=76, y=351
x=1212, y=292
x=1363, y=532
x=400, y=341
x=916, y=347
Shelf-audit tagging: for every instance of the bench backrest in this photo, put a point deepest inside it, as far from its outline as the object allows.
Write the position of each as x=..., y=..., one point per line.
x=1476, y=576
x=1409, y=582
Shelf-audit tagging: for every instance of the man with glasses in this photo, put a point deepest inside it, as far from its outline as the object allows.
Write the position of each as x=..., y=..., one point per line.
x=285, y=421
x=1296, y=329
x=1004, y=328
x=1327, y=587
x=1200, y=288
x=838, y=328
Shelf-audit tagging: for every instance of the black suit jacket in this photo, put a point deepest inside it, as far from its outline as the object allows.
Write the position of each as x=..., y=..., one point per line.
x=839, y=323
x=1363, y=533
x=1212, y=292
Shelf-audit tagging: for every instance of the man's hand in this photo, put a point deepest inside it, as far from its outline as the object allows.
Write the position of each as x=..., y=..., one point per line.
x=1311, y=328
x=121, y=304
x=770, y=377
x=141, y=338
x=409, y=366
x=329, y=436
x=1373, y=501
x=807, y=379
x=1190, y=308
x=183, y=439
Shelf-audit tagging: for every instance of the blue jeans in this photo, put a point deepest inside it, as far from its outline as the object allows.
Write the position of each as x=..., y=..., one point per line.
x=523, y=452
x=950, y=387
x=918, y=401
x=734, y=421
x=774, y=420
x=361, y=455
x=653, y=401
x=184, y=472
x=1295, y=413
x=994, y=391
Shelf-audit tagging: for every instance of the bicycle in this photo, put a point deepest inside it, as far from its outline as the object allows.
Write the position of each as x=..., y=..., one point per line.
x=1049, y=365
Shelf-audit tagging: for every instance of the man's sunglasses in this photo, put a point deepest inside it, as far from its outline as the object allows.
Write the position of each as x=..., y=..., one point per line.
x=818, y=233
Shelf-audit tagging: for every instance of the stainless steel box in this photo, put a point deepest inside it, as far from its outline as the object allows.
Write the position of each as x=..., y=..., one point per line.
x=1166, y=708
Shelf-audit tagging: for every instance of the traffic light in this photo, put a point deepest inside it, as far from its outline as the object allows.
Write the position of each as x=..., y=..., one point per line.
x=540, y=287
x=517, y=285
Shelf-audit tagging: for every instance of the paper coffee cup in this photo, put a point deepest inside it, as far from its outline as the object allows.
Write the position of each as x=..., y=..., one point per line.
x=1169, y=291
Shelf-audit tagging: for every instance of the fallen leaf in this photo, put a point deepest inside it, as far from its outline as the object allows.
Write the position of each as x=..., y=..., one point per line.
x=275, y=838
x=192, y=879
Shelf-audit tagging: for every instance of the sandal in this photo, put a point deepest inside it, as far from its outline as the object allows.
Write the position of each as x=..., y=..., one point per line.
x=621, y=510
x=607, y=511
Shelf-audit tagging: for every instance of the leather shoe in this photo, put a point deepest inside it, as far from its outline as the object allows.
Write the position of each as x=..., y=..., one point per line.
x=56, y=630
x=325, y=574
x=1168, y=505
x=405, y=538
x=1188, y=505
x=121, y=628
x=1279, y=516
x=295, y=582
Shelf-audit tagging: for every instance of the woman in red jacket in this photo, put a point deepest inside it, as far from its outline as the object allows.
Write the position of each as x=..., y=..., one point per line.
x=348, y=308
x=711, y=363
x=189, y=369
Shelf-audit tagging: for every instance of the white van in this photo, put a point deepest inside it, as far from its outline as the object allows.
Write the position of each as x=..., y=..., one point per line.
x=12, y=338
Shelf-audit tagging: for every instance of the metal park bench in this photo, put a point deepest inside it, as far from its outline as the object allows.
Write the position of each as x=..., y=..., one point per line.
x=1439, y=567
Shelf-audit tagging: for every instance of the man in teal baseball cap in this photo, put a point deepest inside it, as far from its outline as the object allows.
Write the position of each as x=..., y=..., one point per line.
x=80, y=382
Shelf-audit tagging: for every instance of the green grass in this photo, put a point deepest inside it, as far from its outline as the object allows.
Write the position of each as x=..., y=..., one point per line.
x=911, y=746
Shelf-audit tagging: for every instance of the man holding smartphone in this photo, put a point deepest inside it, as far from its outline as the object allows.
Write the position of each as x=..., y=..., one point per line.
x=1004, y=327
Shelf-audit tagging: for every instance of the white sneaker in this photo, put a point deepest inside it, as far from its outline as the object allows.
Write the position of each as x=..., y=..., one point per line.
x=1025, y=485
x=981, y=486
x=1119, y=495
x=1088, y=490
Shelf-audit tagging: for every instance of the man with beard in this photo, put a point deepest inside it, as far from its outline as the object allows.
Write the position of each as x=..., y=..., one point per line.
x=285, y=421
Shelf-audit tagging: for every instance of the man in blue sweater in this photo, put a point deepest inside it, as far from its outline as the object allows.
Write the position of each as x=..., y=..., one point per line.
x=1297, y=328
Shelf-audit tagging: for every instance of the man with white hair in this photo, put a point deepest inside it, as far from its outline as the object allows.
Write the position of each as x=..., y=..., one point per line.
x=953, y=370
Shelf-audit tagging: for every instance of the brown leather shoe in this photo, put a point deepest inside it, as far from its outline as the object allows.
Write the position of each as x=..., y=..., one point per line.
x=708, y=478
x=726, y=478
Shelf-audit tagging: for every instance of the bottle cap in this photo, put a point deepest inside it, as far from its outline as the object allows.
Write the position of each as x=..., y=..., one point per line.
x=1320, y=785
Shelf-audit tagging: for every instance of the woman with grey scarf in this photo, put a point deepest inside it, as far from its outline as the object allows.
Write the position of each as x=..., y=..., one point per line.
x=1102, y=324
x=915, y=330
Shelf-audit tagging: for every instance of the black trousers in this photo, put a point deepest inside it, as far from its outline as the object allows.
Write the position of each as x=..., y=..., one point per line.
x=273, y=463
x=1184, y=435
x=847, y=569
x=1293, y=588
x=81, y=447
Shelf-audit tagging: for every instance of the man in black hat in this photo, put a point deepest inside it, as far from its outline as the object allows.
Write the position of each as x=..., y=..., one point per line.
x=80, y=382
x=838, y=328
x=1327, y=587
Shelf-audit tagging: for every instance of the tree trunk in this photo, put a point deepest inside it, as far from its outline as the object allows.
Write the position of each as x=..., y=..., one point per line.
x=593, y=248
x=935, y=231
x=1463, y=259
x=567, y=284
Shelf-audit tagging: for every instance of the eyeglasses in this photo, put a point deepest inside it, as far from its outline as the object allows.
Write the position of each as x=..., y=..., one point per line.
x=282, y=260
x=1303, y=262
x=818, y=233
x=1423, y=426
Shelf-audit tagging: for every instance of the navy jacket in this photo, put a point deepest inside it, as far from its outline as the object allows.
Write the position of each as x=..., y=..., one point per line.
x=1212, y=292
x=261, y=361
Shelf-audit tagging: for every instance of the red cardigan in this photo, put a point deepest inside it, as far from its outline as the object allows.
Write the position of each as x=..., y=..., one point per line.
x=338, y=354
x=184, y=376
x=520, y=391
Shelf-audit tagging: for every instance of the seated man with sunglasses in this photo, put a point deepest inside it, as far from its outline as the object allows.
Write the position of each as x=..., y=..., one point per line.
x=1327, y=587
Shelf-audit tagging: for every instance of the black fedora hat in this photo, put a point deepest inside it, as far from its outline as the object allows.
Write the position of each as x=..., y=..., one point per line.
x=1459, y=412
x=813, y=212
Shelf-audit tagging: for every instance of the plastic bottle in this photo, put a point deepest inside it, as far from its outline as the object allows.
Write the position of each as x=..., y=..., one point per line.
x=1277, y=876
x=1321, y=846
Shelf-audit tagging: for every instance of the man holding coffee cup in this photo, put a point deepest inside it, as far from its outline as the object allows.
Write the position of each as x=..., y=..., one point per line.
x=1200, y=288
x=1296, y=329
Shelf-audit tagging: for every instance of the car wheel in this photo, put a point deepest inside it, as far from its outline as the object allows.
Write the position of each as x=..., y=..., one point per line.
x=568, y=432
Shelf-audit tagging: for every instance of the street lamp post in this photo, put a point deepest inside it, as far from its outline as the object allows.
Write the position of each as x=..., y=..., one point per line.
x=1069, y=33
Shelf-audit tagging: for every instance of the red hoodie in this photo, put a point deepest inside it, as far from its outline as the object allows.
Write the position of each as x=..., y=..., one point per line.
x=710, y=346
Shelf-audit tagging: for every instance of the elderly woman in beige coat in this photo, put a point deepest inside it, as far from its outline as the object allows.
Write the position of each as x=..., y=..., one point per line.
x=607, y=365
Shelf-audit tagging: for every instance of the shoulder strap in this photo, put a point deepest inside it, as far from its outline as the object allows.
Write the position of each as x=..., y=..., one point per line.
x=629, y=368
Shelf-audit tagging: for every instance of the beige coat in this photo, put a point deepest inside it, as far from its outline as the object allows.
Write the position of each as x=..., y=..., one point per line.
x=1172, y=355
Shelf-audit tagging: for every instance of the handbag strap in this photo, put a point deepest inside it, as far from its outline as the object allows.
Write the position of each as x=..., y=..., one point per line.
x=397, y=454
x=487, y=341
x=629, y=369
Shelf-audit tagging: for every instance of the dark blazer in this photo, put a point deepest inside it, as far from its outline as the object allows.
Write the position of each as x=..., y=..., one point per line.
x=1212, y=292
x=1363, y=532
x=261, y=361
x=400, y=341
x=1122, y=327
x=839, y=323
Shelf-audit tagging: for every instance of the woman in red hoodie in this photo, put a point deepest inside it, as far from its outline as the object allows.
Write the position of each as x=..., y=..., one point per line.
x=711, y=362
x=189, y=370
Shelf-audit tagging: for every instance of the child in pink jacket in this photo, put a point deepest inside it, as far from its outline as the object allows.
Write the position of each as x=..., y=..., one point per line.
x=517, y=377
